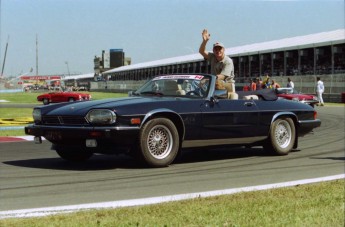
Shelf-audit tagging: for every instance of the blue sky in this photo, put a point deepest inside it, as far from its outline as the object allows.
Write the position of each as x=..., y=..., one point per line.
x=74, y=31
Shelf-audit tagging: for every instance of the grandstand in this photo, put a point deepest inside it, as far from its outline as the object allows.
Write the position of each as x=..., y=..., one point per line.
x=301, y=58
x=321, y=53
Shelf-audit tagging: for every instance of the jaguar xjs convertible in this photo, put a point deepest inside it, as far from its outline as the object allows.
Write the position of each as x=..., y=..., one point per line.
x=168, y=114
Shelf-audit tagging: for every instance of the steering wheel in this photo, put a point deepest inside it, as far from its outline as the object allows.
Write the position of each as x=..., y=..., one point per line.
x=193, y=93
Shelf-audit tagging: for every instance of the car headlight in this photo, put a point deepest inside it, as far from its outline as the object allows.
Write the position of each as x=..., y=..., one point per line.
x=36, y=115
x=101, y=116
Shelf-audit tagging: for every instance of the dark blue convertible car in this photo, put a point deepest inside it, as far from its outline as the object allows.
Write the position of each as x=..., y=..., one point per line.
x=169, y=113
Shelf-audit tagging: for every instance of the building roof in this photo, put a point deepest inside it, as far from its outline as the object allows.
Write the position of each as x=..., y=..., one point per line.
x=298, y=42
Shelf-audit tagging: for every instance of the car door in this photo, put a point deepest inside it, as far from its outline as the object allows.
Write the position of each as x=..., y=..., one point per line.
x=53, y=97
x=230, y=121
x=60, y=97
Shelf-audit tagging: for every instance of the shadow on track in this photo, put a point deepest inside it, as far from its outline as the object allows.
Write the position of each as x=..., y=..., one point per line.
x=106, y=162
x=332, y=158
x=97, y=162
x=216, y=154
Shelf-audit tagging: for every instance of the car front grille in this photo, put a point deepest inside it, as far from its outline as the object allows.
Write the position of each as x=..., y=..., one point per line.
x=64, y=120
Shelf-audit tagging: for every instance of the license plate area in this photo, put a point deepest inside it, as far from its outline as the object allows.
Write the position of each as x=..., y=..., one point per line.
x=53, y=135
x=91, y=143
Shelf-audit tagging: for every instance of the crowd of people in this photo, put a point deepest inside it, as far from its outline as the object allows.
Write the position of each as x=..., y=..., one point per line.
x=257, y=84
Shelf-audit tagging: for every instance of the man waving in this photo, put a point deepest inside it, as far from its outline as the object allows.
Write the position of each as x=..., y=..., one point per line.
x=221, y=65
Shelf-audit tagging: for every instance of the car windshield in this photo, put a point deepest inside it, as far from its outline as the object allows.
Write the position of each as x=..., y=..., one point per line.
x=176, y=85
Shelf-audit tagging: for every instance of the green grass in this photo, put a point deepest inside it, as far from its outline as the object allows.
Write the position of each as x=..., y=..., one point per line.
x=20, y=97
x=14, y=117
x=14, y=113
x=335, y=104
x=15, y=132
x=319, y=204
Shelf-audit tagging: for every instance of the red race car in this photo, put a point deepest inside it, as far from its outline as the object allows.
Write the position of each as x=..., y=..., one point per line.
x=294, y=95
x=54, y=97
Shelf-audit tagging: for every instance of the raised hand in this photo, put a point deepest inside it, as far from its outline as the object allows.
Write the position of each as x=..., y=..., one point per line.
x=205, y=35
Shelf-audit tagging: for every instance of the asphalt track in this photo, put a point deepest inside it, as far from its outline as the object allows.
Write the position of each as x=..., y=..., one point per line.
x=32, y=176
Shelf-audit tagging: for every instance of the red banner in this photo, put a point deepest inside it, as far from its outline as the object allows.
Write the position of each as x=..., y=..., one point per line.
x=40, y=77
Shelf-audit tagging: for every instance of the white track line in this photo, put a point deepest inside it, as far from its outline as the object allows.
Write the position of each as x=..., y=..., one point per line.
x=36, y=212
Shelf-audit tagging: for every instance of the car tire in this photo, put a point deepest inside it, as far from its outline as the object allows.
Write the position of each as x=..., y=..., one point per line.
x=159, y=142
x=71, y=99
x=45, y=101
x=282, y=136
x=72, y=155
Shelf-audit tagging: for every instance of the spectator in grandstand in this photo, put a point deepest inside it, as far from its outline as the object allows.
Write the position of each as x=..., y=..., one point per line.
x=221, y=65
x=275, y=85
x=320, y=88
x=290, y=83
x=253, y=85
x=266, y=82
x=258, y=83
x=246, y=87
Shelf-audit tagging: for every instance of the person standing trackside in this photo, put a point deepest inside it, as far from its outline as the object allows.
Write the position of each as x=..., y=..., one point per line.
x=290, y=83
x=221, y=65
x=320, y=88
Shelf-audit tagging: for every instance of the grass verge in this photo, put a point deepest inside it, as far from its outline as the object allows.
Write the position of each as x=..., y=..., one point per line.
x=319, y=204
x=14, y=117
x=13, y=132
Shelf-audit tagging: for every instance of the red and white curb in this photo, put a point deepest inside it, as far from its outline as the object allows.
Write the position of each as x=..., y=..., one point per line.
x=37, y=212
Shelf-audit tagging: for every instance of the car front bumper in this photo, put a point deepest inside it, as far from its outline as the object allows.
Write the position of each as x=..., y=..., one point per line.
x=81, y=136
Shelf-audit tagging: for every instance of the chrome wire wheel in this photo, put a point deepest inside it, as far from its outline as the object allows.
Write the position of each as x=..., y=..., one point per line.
x=282, y=134
x=159, y=141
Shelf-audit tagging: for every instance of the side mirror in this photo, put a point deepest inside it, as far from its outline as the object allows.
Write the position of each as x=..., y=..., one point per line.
x=220, y=94
x=214, y=100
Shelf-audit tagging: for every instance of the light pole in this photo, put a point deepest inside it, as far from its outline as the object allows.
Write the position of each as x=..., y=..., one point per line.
x=66, y=62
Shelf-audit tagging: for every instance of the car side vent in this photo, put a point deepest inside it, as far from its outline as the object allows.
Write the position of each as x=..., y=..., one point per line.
x=64, y=120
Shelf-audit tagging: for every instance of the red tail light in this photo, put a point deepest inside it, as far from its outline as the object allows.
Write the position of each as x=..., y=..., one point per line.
x=96, y=134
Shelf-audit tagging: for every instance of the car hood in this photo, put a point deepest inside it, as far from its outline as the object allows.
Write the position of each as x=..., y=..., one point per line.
x=116, y=104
